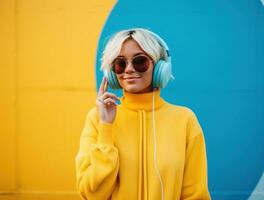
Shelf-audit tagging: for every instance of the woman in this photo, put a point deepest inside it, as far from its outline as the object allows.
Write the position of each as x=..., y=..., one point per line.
x=144, y=148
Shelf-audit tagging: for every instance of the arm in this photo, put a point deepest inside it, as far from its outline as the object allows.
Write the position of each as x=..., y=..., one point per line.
x=195, y=186
x=97, y=162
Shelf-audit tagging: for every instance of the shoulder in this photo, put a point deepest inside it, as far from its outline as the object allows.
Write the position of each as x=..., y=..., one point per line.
x=188, y=117
x=184, y=111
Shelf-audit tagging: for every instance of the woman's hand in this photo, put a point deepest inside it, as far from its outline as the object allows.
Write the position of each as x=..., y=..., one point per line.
x=106, y=103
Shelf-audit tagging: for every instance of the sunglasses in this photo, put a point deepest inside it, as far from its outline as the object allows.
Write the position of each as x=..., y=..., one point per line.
x=140, y=63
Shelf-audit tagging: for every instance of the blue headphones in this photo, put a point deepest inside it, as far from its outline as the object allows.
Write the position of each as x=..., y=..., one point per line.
x=161, y=73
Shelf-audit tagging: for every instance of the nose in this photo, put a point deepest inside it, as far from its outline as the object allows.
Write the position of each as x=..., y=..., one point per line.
x=129, y=67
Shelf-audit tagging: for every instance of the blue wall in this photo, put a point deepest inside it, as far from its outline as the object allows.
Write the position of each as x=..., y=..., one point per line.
x=217, y=49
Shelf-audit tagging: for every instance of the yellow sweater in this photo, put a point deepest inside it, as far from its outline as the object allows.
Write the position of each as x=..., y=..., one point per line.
x=116, y=161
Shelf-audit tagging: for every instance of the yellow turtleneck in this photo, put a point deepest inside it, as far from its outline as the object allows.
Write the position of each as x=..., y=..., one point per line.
x=116, y=161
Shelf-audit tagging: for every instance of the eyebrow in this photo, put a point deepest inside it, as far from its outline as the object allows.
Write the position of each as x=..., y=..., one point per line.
x=133, y=55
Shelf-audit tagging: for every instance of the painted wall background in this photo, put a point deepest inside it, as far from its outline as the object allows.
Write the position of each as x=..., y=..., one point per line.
x=217, y=50
x=47, y=85
x=49, y=70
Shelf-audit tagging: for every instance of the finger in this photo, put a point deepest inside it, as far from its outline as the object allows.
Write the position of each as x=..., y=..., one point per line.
x=111, y=95
x=105, y=84
x=100, y=101
x=105, y=97
x=101, y=88
x=112, y=104
x=107, y=101
x=110, y=101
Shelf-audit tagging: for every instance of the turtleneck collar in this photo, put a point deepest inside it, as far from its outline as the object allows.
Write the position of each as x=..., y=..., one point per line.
x=142, y=100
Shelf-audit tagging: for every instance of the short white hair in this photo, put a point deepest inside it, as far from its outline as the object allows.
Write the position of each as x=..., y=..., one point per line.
x=146, y=40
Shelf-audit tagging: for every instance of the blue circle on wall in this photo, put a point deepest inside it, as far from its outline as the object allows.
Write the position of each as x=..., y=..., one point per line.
x=217, y=50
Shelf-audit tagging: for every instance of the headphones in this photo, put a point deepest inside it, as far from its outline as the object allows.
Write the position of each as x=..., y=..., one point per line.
x=161, y=73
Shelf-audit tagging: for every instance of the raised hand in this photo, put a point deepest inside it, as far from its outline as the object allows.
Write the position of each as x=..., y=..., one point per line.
x=106, y=103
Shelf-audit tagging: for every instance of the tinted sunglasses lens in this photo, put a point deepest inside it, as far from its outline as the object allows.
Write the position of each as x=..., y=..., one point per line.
x=119, y=66
x=141, y=63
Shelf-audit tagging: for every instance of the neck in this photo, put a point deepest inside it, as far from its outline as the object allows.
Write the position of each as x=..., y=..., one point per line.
x=136, y=101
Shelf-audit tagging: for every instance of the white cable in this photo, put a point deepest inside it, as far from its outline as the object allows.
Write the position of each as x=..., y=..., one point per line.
x=155, y=147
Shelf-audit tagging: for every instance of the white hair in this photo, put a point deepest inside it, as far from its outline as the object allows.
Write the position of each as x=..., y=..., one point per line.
x=146, y=40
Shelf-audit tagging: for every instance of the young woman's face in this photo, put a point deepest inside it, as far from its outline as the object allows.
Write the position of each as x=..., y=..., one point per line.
x=131, y=80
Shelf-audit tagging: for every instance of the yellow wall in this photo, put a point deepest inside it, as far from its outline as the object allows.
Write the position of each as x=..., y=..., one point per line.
x=7, y=97
x=47, y=85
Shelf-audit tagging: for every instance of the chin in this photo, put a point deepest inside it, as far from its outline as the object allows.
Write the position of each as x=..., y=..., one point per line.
x=132, y=89
x=136, y=89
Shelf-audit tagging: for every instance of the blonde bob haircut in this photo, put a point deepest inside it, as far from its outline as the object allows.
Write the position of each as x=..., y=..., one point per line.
x=146, y=40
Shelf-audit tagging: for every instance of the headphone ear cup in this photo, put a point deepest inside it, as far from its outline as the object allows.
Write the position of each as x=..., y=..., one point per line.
x=112, y=80
x=161, y=74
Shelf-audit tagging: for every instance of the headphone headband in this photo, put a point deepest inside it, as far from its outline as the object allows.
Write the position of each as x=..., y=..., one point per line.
x=162, y=42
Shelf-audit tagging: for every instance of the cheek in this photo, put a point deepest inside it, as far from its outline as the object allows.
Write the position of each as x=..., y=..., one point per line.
x=119, y=79
x=149, y=76
x=147, y=79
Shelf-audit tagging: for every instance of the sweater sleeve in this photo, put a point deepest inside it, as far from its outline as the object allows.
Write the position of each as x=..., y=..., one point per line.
x=195, y=184
x=97, y=162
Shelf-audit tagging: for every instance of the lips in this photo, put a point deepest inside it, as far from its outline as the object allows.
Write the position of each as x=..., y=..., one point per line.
x=129, y=79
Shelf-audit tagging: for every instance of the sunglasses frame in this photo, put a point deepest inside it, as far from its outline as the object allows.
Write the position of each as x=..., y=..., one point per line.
x=131, y=61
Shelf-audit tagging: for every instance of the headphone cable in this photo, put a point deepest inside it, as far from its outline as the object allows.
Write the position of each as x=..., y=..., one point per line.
x=155, y=145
